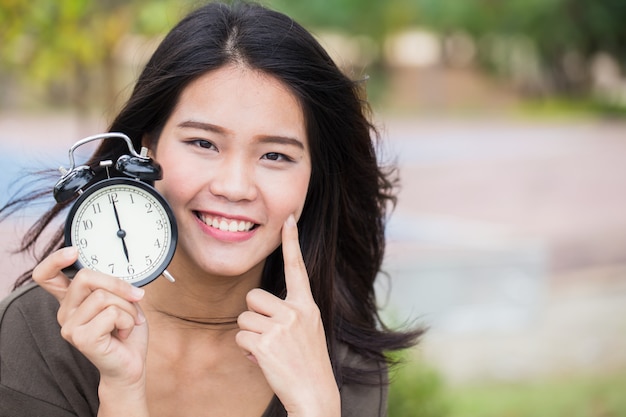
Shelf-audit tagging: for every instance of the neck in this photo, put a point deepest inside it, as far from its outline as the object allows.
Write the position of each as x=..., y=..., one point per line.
x=207, y=302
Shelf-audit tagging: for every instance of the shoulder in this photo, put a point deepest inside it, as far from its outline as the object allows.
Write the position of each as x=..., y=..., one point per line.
x=35, y=361
x=368, y=397
x=28, y=315
x=25, y=302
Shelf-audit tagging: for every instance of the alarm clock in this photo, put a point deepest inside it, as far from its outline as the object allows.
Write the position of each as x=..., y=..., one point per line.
x=121, y=225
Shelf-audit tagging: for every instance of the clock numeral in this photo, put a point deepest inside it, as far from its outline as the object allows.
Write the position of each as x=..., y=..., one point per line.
x=132, y=200
x=82, y=243
x=160, y=225
x=112, y=198
x=148, y=208
x=148, y=260
x=87, y=224
x=96, y=208
x=157, y=244
x=94, y=259
x=130, y=269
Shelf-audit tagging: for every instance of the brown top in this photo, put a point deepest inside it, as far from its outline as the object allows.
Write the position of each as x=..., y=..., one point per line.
x=43, y=375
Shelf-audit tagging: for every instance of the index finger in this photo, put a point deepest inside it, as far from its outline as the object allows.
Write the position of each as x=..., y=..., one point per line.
x=48, y=274
x=296, y=277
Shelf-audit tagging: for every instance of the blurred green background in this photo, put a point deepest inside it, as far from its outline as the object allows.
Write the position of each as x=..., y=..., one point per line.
x=507, y=121
x=79, y=53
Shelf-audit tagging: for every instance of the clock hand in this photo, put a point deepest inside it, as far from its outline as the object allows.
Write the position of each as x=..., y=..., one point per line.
x=121, y=233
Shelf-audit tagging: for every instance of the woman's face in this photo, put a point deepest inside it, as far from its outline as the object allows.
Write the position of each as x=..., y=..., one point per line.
x=236, y=164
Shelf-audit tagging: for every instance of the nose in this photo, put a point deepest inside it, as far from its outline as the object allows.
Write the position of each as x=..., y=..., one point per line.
x=233, y=180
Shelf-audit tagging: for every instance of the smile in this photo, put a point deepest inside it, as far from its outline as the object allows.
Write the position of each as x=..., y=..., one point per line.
x=224, y=224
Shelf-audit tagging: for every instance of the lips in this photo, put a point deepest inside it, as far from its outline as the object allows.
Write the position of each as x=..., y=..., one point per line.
x=225, y=224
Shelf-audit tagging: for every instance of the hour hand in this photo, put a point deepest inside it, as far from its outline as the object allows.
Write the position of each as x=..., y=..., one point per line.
x=122, y=234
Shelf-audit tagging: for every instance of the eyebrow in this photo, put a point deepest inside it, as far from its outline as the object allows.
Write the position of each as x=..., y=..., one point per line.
x=202, y=126
x=282, y=140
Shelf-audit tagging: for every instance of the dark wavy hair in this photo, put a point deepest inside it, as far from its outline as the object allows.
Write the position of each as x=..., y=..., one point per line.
x=343, y=223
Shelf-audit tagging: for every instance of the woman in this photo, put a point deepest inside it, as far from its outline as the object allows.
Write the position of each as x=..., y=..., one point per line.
x=254, y=126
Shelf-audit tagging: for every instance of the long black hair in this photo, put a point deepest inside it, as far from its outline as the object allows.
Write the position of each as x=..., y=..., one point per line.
x=343, y=222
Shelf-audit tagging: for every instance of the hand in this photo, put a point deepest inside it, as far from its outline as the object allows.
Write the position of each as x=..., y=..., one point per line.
x=100, y=316
x=286, y=339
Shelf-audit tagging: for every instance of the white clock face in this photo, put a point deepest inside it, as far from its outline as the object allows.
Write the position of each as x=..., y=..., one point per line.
x=122, y=229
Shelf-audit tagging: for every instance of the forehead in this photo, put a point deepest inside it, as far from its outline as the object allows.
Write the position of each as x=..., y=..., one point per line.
x=240, y=83
x=237, y=97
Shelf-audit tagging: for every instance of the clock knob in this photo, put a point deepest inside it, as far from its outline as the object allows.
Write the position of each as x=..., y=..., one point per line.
x=139, y=167
x=72, y=182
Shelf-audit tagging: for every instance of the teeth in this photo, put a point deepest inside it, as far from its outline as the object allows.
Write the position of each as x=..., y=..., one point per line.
x=226, y=225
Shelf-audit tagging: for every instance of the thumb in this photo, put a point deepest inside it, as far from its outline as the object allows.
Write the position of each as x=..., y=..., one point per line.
x=48, y=274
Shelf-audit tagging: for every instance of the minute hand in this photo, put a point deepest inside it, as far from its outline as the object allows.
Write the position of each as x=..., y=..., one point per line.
x=121, y=233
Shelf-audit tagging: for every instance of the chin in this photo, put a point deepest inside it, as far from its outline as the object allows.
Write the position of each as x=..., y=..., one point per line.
x=233, y=270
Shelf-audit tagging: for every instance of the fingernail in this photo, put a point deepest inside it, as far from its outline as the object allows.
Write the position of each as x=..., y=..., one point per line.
x=137, y=292
x=291, y=221
x=70, y=252
x=140, y=317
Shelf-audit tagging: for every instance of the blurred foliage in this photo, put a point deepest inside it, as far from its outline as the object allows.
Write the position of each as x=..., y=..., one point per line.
x=545, y=46
x=554, y=25
x=563, y=35
x=58, y=44
x=417, y=390
x=62, y=46
x=568, y=397
x=560, y=108
x=373, y=18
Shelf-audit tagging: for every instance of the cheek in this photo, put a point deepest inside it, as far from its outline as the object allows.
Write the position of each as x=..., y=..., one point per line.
x=176, y=181
x=301, y=198
x=288, y=197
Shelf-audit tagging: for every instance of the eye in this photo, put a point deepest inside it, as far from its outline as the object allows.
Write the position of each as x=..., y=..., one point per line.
x=275, y=156
x=201, y=143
